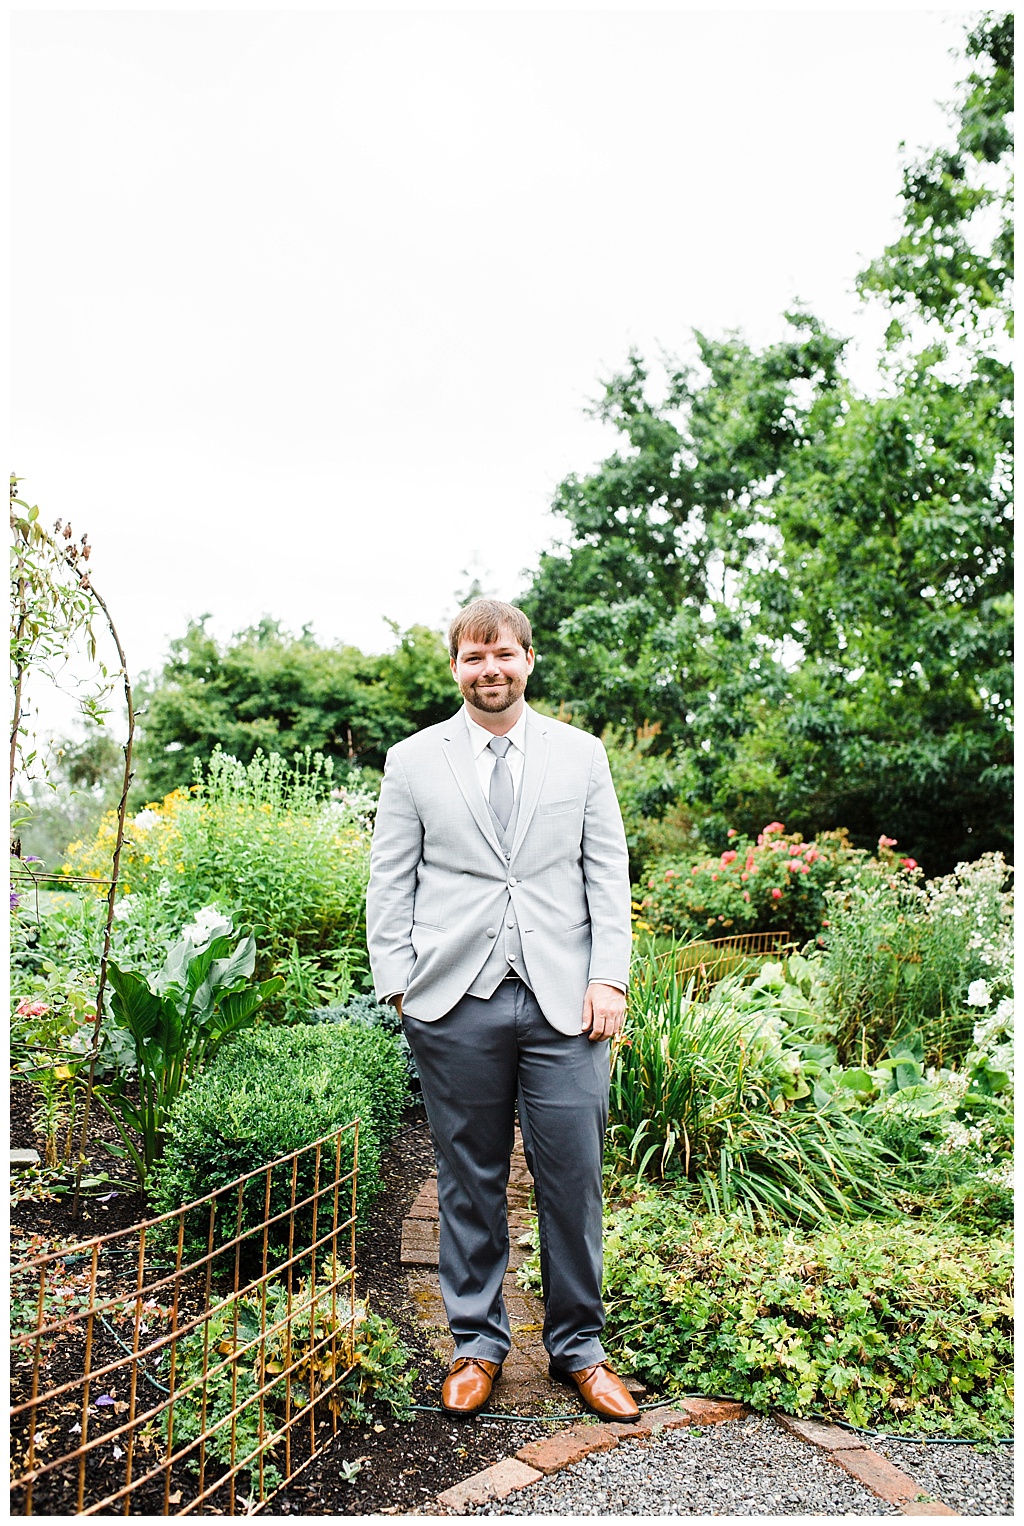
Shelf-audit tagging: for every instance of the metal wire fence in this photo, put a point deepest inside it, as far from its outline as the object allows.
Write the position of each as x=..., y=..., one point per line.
x=713, y=959
x=192, y=1362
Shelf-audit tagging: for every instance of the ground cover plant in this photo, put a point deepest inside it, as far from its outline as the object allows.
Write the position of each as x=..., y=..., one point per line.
x=879, y=1324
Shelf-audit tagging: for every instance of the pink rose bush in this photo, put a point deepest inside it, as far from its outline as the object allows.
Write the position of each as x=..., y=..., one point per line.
x=774, y=883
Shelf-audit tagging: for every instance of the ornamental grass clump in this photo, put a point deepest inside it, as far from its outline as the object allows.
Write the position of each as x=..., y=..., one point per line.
x=880, y=1325
x=777, y=883
x=707, y=1090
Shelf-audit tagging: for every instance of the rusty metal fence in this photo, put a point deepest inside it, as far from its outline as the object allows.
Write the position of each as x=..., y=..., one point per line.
x=712, y=959
x=192, y=1362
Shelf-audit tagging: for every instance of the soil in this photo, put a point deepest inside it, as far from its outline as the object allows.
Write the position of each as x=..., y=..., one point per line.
x=396, y=1466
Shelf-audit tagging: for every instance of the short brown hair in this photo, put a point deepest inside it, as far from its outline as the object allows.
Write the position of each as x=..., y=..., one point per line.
x=484, y=620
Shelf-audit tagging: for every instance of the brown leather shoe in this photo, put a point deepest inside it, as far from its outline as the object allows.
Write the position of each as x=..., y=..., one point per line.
x=468, y=1385
x=600, y=1390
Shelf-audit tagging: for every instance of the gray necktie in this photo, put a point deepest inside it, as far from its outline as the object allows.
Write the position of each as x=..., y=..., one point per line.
x=500, y=793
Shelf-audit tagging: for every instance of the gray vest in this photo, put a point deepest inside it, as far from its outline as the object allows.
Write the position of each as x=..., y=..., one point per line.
x=506, y=954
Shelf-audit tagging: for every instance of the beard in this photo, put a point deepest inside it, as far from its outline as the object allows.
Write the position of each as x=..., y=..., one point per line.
x=503, y=694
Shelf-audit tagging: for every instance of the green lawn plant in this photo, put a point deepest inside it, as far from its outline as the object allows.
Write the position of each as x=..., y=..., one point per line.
x=202, y=997
x=271, y=844
x=887, y=1325
x=706, y=1089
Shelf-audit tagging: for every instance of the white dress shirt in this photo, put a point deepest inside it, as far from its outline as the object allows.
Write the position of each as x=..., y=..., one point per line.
x=480, y=740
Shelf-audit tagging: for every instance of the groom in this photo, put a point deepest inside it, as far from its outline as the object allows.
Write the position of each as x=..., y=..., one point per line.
x=498, y=922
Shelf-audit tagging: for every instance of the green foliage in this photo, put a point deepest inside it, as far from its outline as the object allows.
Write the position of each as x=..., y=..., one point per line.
x=901, y=958
x=777, y=883
x=268, y=690
x=708, y=1090
x=269, y=843
x=808, y=591
x=243, y=1354
x=879, y=1325
x=954, y=259
x=647, y=785
x=203, y=996
x=272, y=1091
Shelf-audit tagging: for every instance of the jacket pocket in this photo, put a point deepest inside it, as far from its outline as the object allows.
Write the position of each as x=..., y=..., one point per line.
x=431, y=927
x=553, y=807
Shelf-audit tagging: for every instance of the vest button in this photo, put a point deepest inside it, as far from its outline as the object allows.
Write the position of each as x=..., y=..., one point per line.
x=513, y=881
x=510, y=925
x=492, y=932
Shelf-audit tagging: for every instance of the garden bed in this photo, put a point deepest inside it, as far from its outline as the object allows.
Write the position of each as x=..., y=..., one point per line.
x=402, y=1464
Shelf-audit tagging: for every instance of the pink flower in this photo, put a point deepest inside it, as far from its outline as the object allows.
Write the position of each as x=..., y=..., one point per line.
x=909, y=863
x=714, y=876
x=28, y=1008
x=773, y=826
x=804, y=868
x=670, y=874
x=731, y=832
x=887, y=842
x=794, y=848
x=746, y=895
x=695, y=869
x=728, y=856
x=744, y=876
x=650, y=884
x=776, y=895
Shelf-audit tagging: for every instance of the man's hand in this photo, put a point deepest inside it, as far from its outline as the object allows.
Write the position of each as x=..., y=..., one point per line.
x=396, y=1002
x=604, y=1011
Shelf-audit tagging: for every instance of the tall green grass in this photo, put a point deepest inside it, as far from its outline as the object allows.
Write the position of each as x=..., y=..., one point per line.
x=704, y=1089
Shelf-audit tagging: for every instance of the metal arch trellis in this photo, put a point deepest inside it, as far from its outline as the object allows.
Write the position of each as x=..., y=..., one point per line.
x=68, y=1320
x=711, y=959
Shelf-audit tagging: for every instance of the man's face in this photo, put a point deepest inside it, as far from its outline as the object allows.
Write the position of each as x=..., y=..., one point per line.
x=492, y=675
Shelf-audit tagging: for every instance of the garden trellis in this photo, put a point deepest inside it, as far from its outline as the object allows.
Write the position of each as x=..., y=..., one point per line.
x=190, y=1369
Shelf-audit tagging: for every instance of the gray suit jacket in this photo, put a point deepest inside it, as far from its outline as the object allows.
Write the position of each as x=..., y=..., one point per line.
x=440, y=883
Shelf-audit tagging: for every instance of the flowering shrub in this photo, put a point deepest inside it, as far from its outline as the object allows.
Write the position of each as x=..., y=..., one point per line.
x=270, y=845
x=776, y=883
x=910, y=959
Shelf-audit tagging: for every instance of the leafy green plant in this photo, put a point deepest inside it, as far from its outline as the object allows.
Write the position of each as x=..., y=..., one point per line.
x=203, y=996
x=242, y=1353
x=902, y=957
x=880, y=1325
x=274, y=846
x=708, y=1090
x=272, y=1091
x=778, y=882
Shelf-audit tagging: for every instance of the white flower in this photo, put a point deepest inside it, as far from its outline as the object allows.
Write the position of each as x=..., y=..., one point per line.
x=209, y=923
x=123, y=908
x=977, y=994
x=145, y=819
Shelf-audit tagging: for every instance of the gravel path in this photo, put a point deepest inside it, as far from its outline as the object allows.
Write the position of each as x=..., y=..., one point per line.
x=970, y=1481
x=752, y=1467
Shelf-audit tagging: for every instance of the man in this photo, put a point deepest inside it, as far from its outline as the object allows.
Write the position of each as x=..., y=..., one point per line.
x=498, y=922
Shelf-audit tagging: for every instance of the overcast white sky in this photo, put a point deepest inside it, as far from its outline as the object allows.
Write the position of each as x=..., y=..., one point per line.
x=308, y=306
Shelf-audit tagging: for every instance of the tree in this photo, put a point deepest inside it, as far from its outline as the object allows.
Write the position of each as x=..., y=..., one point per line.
x=805, y=589
x=267, y=688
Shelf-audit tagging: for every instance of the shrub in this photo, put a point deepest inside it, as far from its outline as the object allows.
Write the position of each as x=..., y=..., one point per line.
x=268, y=844
x=777, y=883
x=274, y=1090
x=368, y=1012
x=904, y=959
x=879, y=1325
x=708, y=1089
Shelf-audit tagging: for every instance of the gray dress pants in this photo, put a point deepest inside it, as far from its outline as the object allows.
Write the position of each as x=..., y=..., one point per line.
x=475, y=1064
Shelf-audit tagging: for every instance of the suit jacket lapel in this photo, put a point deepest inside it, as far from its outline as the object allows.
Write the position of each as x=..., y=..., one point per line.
x=534, y=769
x=459, y=754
